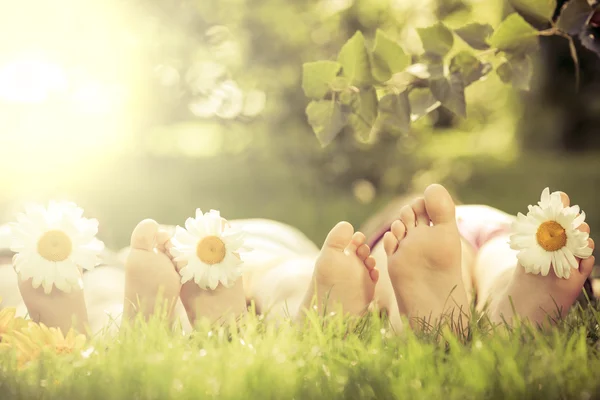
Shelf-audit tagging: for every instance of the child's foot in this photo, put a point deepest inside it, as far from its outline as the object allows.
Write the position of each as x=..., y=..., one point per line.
x=150, y=276
x=541, y=299
x=344, y=275
x=215, y=306
x=57, y=309
x=424, y=259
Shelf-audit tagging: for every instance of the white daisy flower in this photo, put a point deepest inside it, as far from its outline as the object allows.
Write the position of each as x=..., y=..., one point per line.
x=209, y=252
x=548, y=236
x=53, y=243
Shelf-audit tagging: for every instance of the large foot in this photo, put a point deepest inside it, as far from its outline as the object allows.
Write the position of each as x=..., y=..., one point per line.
x=151, y=280
x=543, y=300
x=344, y=277
x=424, y=260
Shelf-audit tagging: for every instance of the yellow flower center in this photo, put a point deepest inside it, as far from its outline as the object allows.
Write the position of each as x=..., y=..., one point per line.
x=551, y=236
x=211, y=250
x=55, y=246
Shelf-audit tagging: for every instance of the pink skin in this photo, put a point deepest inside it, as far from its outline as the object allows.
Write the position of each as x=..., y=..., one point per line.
x=57, y=309
x=541, y=299
x=344, y=275
x=151, y=279
x=424, y=260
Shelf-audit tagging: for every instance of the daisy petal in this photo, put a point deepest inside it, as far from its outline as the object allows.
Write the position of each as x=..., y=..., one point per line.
x=192, y=265
x=213, y=277
x=47, y=285
x=62, y=284
x=49, y=268
x=570, y=258
x=583, y=253
x=37, y=281
x=184, y=237
x=578, y=220
x=186, y=274
x=545, y=198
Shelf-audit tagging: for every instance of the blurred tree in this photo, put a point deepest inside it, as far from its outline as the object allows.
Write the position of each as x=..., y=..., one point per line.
x=558, y=115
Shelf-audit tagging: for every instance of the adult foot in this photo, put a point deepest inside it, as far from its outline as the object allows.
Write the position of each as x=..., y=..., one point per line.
x=56, y=309
x=424, y=261
x=151, y=280
x=344, y=277
x=543, y=300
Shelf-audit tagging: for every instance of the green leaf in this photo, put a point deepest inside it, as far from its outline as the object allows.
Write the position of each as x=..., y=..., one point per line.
x=541, y=10
x=504, y=72
x=414, y=75
x=516, y=36
x=437, y=39
x=517, y=71
x=351, y=98
x=355, y=61
x=522, y=68
x=316, y=77
x=388, y=57
x=422, y=102
x=364, y=113
x=573, y=16
x=327, y=119
x=476, y=35
x=451, y=93
x=339, y=83
x=393, y=113
x=469, y=67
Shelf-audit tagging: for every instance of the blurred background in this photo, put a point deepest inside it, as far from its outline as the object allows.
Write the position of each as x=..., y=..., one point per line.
x=137, y=109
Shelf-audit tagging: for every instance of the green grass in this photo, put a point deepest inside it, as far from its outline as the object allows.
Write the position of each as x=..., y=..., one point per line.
x=336, y=359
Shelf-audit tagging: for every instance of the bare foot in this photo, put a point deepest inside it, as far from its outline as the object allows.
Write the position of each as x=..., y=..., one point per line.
x=56, y=309
x=208, y=262
x=150, y=277
x=424, y=260
x=215, y=306
x=344, y=275
x=541, y=299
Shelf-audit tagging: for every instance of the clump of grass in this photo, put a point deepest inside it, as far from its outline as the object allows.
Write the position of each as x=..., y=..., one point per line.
x=325, y=358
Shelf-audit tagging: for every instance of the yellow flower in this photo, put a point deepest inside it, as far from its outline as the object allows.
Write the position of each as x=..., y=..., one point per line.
x=8, y=322
x=30, y=341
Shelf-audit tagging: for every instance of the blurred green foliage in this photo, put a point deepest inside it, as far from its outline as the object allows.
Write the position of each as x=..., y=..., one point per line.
x=220, y=122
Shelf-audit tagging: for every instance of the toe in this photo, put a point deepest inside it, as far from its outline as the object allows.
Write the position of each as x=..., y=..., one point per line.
x=390, y=243
x=144, y=235
x=370, y=263
x=565, y=199
x=163, y=241
x=374, y=274
x=586, y=266
x=407, y=216
x=418, y=206
x=358, y=239
x=340, y=236
x=439, y=205
x=398, y=229
x=363, y=252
